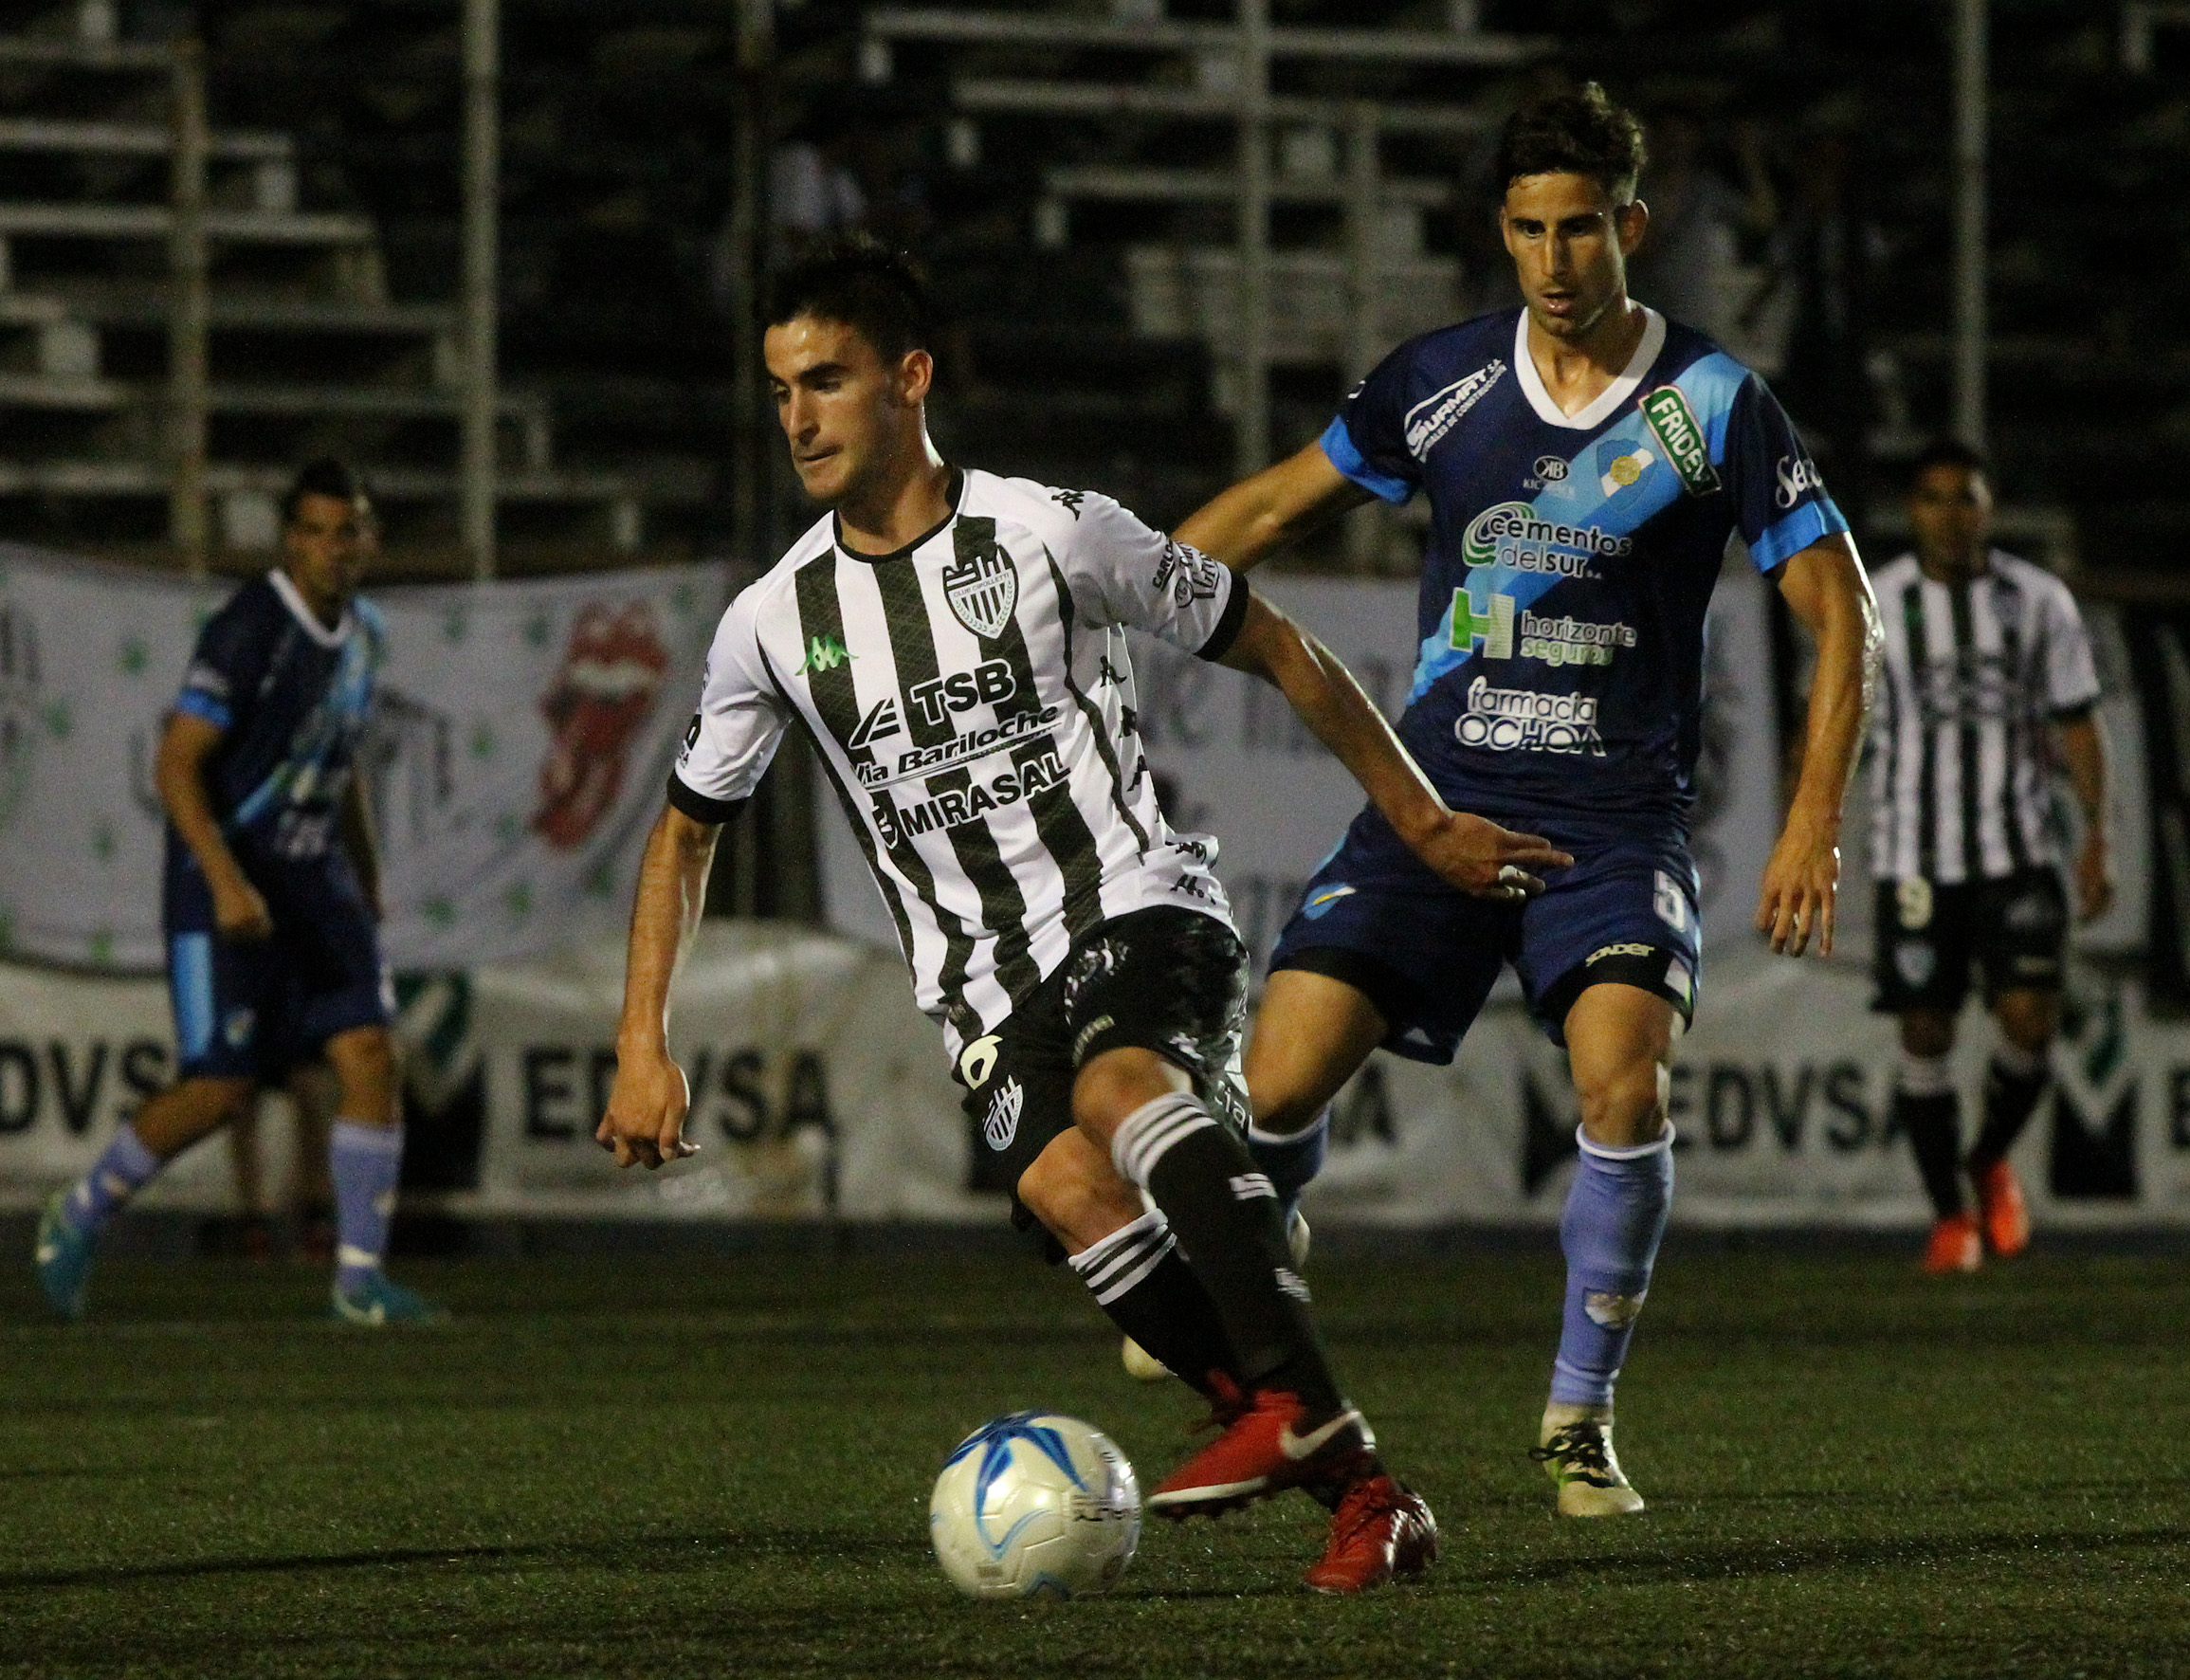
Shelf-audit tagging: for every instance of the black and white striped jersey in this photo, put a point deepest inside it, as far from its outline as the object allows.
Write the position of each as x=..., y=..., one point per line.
x=1960, y=781
x=971, y=698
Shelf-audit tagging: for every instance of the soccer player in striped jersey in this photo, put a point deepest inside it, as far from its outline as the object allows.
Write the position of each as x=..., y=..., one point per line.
x=952, y=644
x=1589, y=464
x=1988, y=675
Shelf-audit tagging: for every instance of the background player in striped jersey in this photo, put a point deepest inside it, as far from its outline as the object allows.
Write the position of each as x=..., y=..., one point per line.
x=1988, y=674
x=271, y=899
x=1589, y=464
x=954, y=645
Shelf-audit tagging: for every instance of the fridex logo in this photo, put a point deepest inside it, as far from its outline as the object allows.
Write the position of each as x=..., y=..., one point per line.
x=1669, y=416
x=983, y=588
x=1002, y=1121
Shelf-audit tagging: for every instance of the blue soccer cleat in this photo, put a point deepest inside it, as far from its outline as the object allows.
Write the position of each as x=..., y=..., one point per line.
x=63, y=1258
x=379, y=1300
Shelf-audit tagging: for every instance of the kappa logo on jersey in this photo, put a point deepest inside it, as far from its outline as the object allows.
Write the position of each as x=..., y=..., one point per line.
x=824, y=653
x=1796, y=474
x=983, y=588
x=1521, y=720
x=1189, y=574
x=1433, y=416
x=1069, y=500
x=1669, y=416
x=1515, y=535
x=1002, y=1123
x=955, y=807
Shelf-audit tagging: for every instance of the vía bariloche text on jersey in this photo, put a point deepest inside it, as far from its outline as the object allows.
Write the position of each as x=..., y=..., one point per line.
x=973, y=706
x=1571, y=558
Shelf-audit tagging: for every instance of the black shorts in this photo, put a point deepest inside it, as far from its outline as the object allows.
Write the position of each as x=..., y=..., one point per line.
x=1930, y=932
x=1163, y=980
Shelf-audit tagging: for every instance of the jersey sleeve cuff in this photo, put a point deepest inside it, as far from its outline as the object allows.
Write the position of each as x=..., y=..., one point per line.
x=699, y=808
x=1338, y=445
x=204, y=706
x=1811, y=522
x=1229, y=621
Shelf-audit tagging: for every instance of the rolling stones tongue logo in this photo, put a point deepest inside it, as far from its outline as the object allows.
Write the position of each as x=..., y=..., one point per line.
x=611, y=674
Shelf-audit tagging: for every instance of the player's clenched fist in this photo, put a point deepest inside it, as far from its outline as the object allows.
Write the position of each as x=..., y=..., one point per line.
x=1481, y=859
x=645, y=1119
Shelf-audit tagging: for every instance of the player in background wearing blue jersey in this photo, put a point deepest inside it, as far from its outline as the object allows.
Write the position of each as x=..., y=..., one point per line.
x=271, y=900
x=1587, y=463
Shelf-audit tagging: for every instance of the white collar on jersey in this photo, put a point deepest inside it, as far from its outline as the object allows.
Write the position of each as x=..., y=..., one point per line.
x=1607, y=401
x=293, y=598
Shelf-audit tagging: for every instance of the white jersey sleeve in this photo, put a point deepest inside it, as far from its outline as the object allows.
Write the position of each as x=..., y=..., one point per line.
x=1123, y=573
x=739, y=725
x=2072, y=675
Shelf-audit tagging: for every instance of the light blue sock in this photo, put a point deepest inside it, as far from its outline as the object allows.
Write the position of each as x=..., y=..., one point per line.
x=1614, y=1216
x=117, y=1174
x=365, y=1162
x=1291, y=1159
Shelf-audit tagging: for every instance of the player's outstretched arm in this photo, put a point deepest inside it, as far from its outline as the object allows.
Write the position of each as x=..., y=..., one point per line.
x=645, y=1119
x=179, y=774
x=1245, y=525
x=1474, y=854
x=2084, y=752
x=1825, y=588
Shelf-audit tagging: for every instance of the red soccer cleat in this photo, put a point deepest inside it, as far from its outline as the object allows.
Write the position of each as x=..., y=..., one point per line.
x=1271, y=1445
x=1380, y=1531
x=1955, y=1246
x=2001, y=1209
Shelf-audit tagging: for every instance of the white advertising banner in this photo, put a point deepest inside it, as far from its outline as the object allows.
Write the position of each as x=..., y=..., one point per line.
x=1234, y=761
x=819, y=1091
x=520, y=742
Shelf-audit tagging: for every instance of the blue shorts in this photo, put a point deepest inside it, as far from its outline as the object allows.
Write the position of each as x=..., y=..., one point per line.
x=1426, y=954
x=253, y=1009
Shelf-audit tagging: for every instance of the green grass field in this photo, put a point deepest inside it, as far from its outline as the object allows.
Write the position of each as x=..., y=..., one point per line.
x=654, y=1464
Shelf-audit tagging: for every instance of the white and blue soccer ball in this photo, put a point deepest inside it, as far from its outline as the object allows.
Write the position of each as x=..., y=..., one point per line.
x=1035, y=1505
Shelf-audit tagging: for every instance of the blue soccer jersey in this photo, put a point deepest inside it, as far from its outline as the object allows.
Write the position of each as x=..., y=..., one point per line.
x=291, y=698
x=1571, y=558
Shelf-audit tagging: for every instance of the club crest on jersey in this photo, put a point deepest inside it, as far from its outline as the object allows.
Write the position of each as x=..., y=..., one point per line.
x=1669, y=416
x=983, y=588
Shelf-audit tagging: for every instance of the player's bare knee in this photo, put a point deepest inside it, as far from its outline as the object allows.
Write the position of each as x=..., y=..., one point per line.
x=364, y=1061
x=2027, y=1019
x=1078, y=1199
x=1114, y=1084
x=1927, y=1032
x=1625, y=1106
x=1283, y=1109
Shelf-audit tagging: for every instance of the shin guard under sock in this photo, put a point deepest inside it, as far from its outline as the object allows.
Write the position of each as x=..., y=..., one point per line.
x=121, y=1171
x=365, y=1162
x=1610, y=1230
x=1290, y=1159
x=1925, y=1107
x=1226, y=1215
x=1139, y=1278
x=2013, y=1082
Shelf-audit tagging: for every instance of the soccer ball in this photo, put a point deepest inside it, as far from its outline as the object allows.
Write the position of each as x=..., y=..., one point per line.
x=1035, y=1506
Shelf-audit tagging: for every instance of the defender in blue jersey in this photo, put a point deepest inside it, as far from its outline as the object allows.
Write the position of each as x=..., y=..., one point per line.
x=1588, y=464
x=273, y=949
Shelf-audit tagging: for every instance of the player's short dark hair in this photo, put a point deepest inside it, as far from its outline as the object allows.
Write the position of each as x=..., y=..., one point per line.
x=1951, y=451
x=1581, y=133
x=323, y=477
x=855, y=278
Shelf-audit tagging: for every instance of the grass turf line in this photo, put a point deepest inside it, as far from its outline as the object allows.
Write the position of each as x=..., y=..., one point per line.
x=623, y=1465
